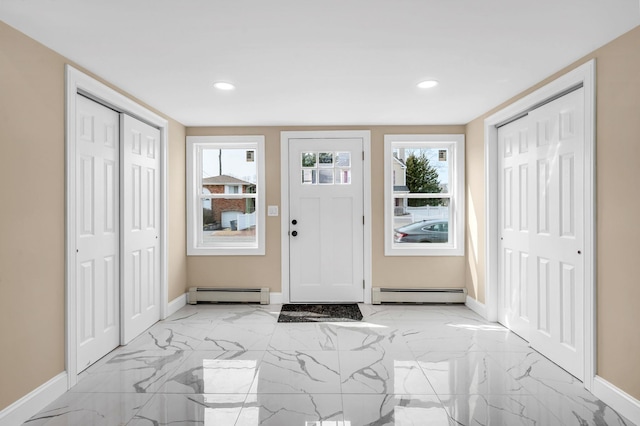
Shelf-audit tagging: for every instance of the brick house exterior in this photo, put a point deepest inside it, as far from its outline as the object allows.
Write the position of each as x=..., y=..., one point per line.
x=225, y=184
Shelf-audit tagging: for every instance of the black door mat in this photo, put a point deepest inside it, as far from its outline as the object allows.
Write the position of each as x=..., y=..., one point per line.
x=320, y=313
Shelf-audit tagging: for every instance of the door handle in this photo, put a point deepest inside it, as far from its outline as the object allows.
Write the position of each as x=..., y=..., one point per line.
x=294, y=222
x=294, y=233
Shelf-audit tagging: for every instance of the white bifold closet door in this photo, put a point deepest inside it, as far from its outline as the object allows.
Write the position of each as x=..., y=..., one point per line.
x=117, y=229
x=140, y=271
x=97, y=231
x=541, y=291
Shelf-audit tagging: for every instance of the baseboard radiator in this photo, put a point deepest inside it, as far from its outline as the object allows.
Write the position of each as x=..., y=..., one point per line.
x=418, y=295
x=216, y=294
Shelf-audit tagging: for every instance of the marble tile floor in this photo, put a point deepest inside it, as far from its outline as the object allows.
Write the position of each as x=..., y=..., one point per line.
x=402, y=365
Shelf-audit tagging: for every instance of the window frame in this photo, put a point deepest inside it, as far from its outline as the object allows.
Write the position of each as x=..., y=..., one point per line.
x=194, y=147
x=232, y=189
x=455, y=143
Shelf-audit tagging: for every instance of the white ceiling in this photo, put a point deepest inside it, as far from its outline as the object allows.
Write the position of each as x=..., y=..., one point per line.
x=322, y=62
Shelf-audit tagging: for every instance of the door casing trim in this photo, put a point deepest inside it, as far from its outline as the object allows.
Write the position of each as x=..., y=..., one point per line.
x=79, y=82
x=365, y=136
x=585, y=75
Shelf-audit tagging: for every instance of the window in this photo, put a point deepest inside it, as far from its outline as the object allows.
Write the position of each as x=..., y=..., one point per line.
x=225, y=195
x=424, y=195
x=232, y=189
x=326, y=168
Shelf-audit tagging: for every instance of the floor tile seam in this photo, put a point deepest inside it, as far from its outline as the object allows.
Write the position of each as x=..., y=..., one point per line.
x=421, y=353
x=385, y=350
x=186, y=394
x=394, y=394
x=202, y=393
x=340, y=374
x=247, y=323
x=426, y=376
x=417, y=320
x=409, y=397
x=424, y=373
x=186, y=320
x=359, y=392
x=140, y=408
x=568, y=399
x=258, y=363
x=118, y=391
x=449, y=407
x=391, y=380
x=520, y=390
x=341, y=412
x=444, y=406
x=553, y=412
x=484, y=351
x=534, y=389
x=170, y=373
x=271, y=337
x=487, y=394
x=290, y=349
x=205, y=342
x=126, y=421
x=509, y=369
x=292, y=393
x=177, y=392
x=324, y=393
x=425, y=352
x=102, y=362
x=302, y=351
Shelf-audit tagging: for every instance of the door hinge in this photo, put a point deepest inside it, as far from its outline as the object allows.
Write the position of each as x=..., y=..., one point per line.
x=362, y=155
x=362, y=283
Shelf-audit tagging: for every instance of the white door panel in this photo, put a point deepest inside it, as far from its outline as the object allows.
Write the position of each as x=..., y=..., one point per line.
x=513, y=148
x=97, y=245
x=140, y=226
x=542, y=229
x=557, y=240
x=326, y=203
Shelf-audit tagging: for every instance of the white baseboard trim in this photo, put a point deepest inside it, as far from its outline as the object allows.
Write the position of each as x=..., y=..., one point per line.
x=617, y=399
x=176, y=304
x=275, y=298
x=33, y=402
x=477, y=307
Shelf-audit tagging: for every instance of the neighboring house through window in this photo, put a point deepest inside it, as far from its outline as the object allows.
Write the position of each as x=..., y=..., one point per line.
x=424, y=195
x=225, y=195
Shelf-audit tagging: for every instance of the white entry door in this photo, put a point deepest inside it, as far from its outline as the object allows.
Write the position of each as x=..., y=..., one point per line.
x=542, y=266
x=97, y=231
x=140, y=226
x=326, y=227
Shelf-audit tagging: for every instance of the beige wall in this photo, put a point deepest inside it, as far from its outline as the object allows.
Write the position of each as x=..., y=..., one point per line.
x=32, y=203
x=618, y=207
x=177, y=215
x=475, y=234
x=265, y=270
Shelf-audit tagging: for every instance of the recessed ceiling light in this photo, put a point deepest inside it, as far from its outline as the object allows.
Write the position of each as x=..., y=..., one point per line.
x=223, y=85
x=427, y=84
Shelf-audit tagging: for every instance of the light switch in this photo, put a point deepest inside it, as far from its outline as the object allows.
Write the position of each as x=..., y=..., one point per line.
x=272, y=211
